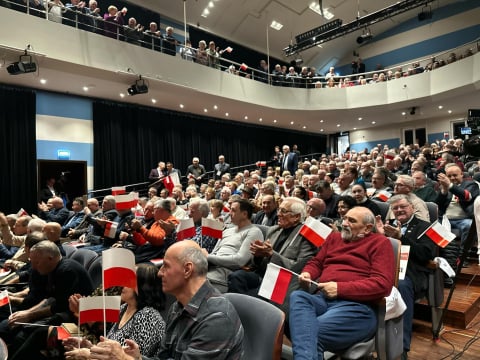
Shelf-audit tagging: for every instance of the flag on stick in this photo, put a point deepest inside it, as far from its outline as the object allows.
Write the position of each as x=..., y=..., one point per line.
x=91, y=309
x=315, y=231
x=261, y=163
x=213, y=228
x=170, y=181
x=186, y=229
x=118, y=190
x=110, y=229
x=439, y=234
x=118, y=268
x=126, y=201
x=384, y=195
x=4, y=300
x=21, y=212
x=275, y=283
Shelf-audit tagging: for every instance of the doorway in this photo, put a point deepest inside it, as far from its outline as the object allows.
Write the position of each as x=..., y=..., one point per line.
x=70, y=178
x=415, y=136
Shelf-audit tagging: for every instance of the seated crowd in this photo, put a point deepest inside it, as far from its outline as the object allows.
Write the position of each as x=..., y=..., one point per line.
x=262, y=214
x=114, y=24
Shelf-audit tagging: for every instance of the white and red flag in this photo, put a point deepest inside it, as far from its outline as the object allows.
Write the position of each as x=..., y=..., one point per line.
x=4, y=300
x=126, y=201
x=92, y=309
x=315, y=231
x=170, y=181
x=119, y=268
x=439, y=234
x=21, y=212
x=243, y=67
x=275, y=283
x=118, y=190
x=213, y=228
x=185, y=229
x=261, y=163
x=225, y=209
x=312, y=194
x=229, y=49
x=110, y=229
x=384, y=195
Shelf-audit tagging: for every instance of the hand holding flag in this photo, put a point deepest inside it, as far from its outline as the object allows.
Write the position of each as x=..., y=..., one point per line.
x=438, y=234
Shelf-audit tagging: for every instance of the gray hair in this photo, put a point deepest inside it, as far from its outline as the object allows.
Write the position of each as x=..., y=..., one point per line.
x=202, y=205
x=110, y=199
x=36, y=225
x=408, y=180
x=297, y=206
x=196, y=256
x=47, y=248
x=399, y=197
x=163, y=204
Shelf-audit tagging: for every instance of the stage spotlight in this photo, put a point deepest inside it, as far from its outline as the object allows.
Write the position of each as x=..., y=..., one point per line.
x=364, y=37
x=23, y=66
x=140, y=87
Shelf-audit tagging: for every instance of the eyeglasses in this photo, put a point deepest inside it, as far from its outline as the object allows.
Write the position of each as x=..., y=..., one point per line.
x=284, y=211
x=399, y=207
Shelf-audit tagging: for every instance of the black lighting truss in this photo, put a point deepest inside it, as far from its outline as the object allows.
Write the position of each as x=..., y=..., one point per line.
x=334, y=29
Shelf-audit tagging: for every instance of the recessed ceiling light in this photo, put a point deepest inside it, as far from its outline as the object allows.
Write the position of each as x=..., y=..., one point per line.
x=338, y=125
x=154, y=101
x=304, y=127
x=182, y=106
x=374, y=122
x=43, y=81
x=226, y=114
x=321, y=130
x=274, y=121
x=122, y=95
x=246, y=117
x=260, y=119
x=440, y=107
x=211, y=4
x=354, y=128
x=449, y=111
x=292, y=122
x=215, y=107
x=404, y=113
x=315, y=6
x=276, y=25
x=85, y=88
x=205, y=12
x=205, y=110
x=321, y=121
x=360, y=119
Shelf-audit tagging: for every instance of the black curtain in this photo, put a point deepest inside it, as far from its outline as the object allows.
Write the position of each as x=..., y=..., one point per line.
x=18, y=150
x=130, y=140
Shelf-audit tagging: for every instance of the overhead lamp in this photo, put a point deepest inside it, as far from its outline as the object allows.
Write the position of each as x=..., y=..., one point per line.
x=140, y=87
x=24, y=65
x=413, y=110
x=367, y=35
x=426, y=14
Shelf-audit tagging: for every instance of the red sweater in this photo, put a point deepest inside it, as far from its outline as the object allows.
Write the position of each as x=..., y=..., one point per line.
x=364, y=270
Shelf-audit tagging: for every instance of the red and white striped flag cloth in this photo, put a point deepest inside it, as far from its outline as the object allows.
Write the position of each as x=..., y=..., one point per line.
x=261, y=163
x=312, y=194
x=315, y=231
x=4, y=300
x=119, y=268
x=229, y=49
x=110, y=229
x=389, y=156
x=439, y=234
x=275, y=283
x=213, y=228
x=384, y=195
x=225, y=209
x=91, y=309
x=118, y=190
x=243, y=67
x=126, y=201
x=185, y=229
x=170, y=181
x=21, y=212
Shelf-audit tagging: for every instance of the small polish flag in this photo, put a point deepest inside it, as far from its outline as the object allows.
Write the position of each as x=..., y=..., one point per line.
x=110, y=229
x=126, y=201
x=213, y=228
x=91, y=309
x=438, y=234
x=63, y=333
x=384, y=195
x=170, y=181
x=261, y=163
x=389, y=157
x=118, y=190
x=21, y=212
x=229, y=49
x=119, y=268
x=191, y=176
x=243, y=67
x=186, y=229
x=315, y=231
x=225, y=209
x=4, y=298
x=312, y=194
x=275, y=283
x=404, y=254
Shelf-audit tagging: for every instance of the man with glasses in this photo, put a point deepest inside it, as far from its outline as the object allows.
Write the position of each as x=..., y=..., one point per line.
x=407, y=227
x=284, y=246
x=405, y=185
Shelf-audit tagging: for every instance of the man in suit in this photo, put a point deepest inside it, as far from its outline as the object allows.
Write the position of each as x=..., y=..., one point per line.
x=407, y=227
x=221, y=168
x=53, y=211
x=76, y=218
x=289, y=161
x=268, y=215
x=158, y=173
x=284, y=246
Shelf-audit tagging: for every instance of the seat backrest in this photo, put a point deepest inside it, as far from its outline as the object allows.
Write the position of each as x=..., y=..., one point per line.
x=263, y=326
x=95, y=271
x=397, y=248
x=432, y=210
x=69, y=250
x=384, y=207
x=84, y=256
x=264, y=229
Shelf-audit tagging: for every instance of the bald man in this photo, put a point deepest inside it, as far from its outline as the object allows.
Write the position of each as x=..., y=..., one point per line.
x=201, y=321
x=52, y=232
x=53, y=211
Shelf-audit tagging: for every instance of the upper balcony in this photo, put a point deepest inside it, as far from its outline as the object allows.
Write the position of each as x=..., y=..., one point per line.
x=87, y=64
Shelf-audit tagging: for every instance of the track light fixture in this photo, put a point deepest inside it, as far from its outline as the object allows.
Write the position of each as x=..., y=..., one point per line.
x=24, y=65
x=412, y=110
x=140, y=87
x=426, y=13
x=367, y=35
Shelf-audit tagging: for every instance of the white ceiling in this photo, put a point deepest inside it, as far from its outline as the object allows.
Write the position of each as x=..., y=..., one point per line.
x=245, y=21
